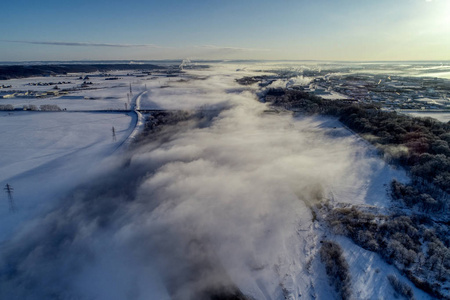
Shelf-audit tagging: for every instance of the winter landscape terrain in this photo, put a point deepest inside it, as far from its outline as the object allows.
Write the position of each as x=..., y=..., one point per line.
x=208, y=181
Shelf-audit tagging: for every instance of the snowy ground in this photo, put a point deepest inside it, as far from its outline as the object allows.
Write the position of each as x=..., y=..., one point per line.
x=443, y=117
x=369, y=273
x=333, y=96
x=100, y=95
x=242, y=186
x=45, y=154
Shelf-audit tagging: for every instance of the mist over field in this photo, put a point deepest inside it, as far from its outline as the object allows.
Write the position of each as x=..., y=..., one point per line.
x=217, y=204
x=225, y=150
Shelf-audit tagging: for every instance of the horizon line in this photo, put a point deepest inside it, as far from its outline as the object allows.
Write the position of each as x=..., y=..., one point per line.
x=130, y=61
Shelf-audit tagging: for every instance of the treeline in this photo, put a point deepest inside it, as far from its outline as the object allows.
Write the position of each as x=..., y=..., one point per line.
x=404, y=241
x=163, y=122
x=49, y=107
x=23, y=71
x=401, y=288
x=421, y=145
x=422, y=196
x=6, y=107
x=337, y=268
x=43, y=107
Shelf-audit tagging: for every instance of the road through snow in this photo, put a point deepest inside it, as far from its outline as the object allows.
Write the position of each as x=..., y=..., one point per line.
x=140, y=120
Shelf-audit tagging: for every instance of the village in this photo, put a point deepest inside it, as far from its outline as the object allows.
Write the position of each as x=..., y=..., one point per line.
x=27, y=94
x=391, y=92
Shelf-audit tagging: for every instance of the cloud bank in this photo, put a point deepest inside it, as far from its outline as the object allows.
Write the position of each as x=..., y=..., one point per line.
x=210, y=206
x=86, y=44
x=223, y=48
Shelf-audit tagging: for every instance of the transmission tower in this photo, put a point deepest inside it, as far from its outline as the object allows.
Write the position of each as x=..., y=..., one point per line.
x=9, y=190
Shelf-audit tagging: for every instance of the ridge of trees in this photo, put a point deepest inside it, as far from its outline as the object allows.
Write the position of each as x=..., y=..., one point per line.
x=337, y=268
x=406, y=242
x=160, y=124
x=23, y=71
x=401, y=288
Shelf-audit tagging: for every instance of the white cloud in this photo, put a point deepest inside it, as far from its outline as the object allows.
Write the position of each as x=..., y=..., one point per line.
x=222, y=48
x=85, y=44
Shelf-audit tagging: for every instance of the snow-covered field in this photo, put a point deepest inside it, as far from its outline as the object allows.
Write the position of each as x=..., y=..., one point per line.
x=45, y=154
x=100, y=94
x=443, y=117
x=237, y=191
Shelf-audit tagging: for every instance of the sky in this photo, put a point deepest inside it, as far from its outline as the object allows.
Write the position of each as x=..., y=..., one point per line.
x=348, y=30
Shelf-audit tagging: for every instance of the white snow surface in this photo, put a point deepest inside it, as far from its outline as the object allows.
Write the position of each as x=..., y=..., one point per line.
x=45, y=154
x=369, y=272
x=100, y=95
x=443, y=117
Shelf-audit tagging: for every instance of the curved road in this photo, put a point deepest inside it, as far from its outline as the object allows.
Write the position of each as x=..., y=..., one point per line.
x=140, y=120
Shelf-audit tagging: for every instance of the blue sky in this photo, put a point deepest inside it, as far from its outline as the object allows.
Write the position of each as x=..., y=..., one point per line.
x=227, y=29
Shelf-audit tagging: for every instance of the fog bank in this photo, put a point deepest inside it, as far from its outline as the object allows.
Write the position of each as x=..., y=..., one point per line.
x=211, y=206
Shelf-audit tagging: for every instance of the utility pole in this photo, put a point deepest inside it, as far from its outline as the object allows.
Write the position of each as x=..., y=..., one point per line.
x=131, y=92
x=114, y=134
x=9, y=191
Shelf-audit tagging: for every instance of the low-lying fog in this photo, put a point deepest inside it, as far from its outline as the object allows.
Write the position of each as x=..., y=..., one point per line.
x=207, y=207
